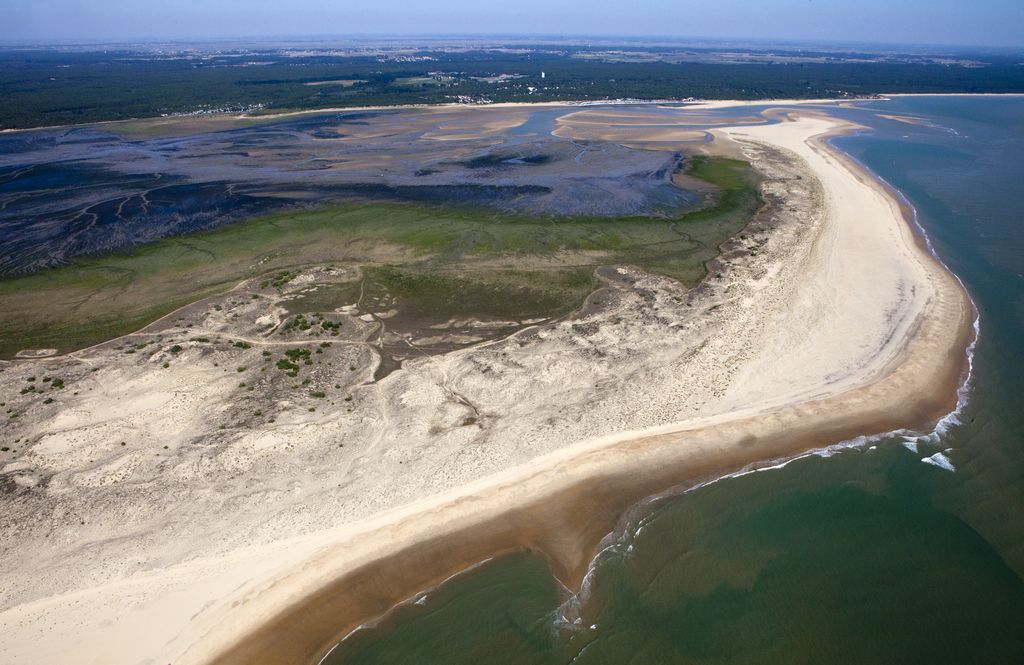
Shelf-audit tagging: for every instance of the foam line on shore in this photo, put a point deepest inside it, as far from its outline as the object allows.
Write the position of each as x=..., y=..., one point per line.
x=963, y=390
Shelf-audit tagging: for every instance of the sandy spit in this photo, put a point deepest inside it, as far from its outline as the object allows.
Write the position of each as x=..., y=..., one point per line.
x=562, y=504
x=841, y=315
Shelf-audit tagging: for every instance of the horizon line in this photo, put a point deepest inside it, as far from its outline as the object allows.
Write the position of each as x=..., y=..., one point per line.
x=566, y=39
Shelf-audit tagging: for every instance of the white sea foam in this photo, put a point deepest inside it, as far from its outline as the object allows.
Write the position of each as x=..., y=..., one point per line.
x=940, y=460
x=419, y=599
x=329, y=652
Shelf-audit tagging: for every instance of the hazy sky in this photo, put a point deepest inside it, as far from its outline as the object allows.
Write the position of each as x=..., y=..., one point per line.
x=980, y=22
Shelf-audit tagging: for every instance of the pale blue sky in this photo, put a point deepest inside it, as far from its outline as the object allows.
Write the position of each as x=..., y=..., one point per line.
x=980, y=22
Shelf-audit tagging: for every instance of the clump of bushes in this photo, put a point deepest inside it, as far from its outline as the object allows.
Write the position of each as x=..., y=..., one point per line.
x=297, y=322
x=277, y=281
x=297, y=354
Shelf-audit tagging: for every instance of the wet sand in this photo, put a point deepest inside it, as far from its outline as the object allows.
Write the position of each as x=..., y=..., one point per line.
x=566, y=526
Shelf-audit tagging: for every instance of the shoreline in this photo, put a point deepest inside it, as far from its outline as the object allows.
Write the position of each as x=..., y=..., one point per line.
x=538, y=507
x=580, y=593
x=277, y=639
x=695, y=102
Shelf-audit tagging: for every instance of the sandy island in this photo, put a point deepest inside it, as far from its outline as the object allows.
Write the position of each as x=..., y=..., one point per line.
x=829, y=321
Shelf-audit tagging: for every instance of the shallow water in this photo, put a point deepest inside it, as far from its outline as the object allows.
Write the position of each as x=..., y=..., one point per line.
x=869, y=555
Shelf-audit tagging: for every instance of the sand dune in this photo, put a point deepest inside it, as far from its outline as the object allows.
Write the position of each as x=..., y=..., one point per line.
x=826, y=316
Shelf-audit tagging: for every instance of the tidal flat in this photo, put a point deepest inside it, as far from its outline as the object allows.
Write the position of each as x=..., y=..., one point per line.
x=68, y=192
x=105, y=271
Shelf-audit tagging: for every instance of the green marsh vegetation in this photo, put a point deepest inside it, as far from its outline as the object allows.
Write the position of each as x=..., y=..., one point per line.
x=426, y=259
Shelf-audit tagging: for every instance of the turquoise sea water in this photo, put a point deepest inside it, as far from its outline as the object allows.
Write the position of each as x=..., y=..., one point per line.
x=868, y=555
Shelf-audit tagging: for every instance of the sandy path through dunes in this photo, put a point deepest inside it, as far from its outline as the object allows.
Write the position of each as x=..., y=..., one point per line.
x=830, y=313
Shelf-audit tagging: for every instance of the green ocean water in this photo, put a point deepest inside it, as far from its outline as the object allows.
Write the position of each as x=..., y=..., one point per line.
x=862, y=555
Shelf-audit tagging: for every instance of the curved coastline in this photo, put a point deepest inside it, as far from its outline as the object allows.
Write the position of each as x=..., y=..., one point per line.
x=830, y=320
x=565, y=503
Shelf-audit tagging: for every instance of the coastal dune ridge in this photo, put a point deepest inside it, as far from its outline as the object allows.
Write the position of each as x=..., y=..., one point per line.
x=562, y=505
x=830, y=319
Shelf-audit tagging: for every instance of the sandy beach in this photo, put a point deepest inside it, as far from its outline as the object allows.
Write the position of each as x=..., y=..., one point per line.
x=807, y=333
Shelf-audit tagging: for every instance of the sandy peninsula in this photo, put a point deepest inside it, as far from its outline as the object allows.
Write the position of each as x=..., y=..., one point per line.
x=827, y=313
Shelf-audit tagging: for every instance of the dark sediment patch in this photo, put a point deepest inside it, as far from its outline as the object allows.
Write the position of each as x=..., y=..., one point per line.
x=101, y=211
x=81, y=191
x=505, y=160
